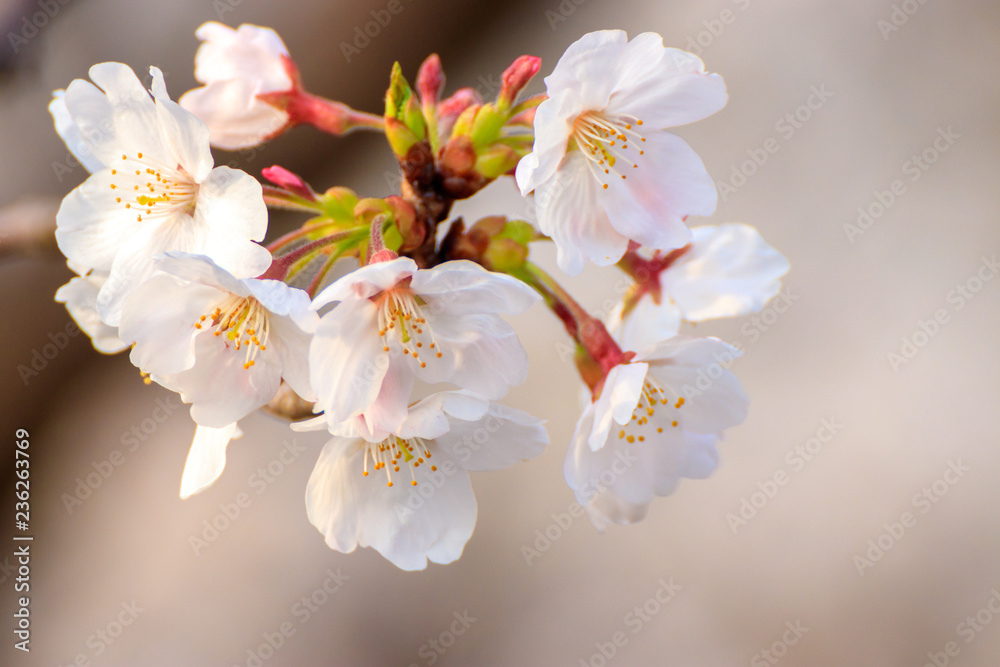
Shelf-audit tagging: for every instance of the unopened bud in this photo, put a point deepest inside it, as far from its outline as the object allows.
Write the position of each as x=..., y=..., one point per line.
x=515, y=78
x=430, y=80
x=496, y=161
x=289, y=181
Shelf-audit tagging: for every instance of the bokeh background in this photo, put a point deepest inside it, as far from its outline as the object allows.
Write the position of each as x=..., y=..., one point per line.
x=895, y=76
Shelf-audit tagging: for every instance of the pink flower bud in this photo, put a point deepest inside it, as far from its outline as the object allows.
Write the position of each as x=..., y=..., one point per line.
x=430, y=80
x=516, y=77
x=289, y=181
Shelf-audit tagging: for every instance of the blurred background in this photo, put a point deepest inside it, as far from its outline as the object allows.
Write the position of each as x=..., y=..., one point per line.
x=798, y=551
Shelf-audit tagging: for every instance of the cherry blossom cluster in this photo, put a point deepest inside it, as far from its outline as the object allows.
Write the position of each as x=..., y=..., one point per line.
x=348, y=323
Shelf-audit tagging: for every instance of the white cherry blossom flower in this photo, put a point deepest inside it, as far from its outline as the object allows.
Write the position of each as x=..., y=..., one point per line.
x=728, y=270
x=236, y=66
x=156, y=189
x=603, y=170
x=80, y=297
x=407, y=493
x=395, y=322
x=657, y=419
x=223, y=343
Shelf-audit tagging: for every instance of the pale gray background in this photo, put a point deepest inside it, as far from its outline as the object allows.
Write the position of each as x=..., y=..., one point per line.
x=825, y=357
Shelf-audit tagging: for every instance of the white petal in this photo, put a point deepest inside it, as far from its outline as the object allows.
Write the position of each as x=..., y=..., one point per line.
x=649, y=323
x=669, y=183
x=618, y=399
x=71, y=133
x=480, y=353
x=186, y=137
x=90, y=226
x=466, y=287
x=80, y=297
x=332, y=494
x=291, y=346
x=697, y=370
x=729, y=270
x=552, y=127
x=501, y=438
x=346, y=360
x=134, y=117
x=432, y=417
x=218, y=387
x=231, y=209
x=206, y=459
x=159, y=319
x=282, y=299
x=588, y=66
x=569, y=212
x=236, y=119
x=387, y=412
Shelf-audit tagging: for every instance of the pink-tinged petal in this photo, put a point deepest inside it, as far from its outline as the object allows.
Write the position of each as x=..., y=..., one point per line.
x=219, y=388
x=249, y=52
x=569, y=213
x=618, y=399
x=91, y=227
x=186, y=137
x=366, y=281
x=206, y=459
x=501, y=438
x=159, y=319
x=291, y=346
x=332, y=494
x=728, y=271
x=388, y=411
x=93, y=110
x=480, y=353
x=649, y=205
x=346, y=360
x=80, y=297
x=236, y=119
x=461, y=286
x=553, y=125
x=697, y=370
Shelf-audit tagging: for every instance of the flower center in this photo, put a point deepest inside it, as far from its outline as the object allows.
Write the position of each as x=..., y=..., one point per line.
x=400, y=316
x=149, y=188
x=244, y=323
x=652, y=411
x=604, y=140
x=388, y=454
